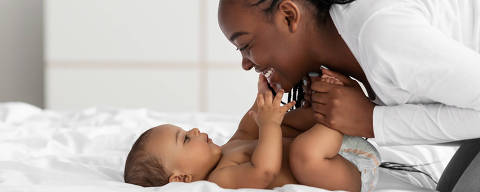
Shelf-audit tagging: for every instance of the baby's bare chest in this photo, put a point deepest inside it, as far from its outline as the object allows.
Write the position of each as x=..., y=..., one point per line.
x=241, y=151
x=238, y=152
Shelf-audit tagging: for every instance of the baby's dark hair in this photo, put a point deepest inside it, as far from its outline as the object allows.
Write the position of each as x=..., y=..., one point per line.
x=142, y=168
x=322, y=6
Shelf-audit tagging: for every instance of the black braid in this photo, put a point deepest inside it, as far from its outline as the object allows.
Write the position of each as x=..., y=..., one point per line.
x=296, y=93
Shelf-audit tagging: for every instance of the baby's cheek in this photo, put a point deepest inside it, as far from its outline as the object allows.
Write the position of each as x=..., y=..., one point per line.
x=202, y=148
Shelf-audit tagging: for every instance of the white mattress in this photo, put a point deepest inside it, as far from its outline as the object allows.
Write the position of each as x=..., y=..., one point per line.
x=43, y=150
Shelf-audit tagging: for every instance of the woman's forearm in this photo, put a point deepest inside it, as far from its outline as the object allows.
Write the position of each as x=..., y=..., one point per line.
x=300, y=119
x=392, y=123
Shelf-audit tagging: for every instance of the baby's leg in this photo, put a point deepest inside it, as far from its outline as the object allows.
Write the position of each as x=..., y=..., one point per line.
x=314, y=161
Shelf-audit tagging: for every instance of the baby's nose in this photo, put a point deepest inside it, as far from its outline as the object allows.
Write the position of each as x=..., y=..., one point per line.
x=196, y=131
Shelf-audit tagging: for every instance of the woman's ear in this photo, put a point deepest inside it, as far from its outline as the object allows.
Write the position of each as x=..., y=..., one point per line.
x=290, y=14
x=180, y=177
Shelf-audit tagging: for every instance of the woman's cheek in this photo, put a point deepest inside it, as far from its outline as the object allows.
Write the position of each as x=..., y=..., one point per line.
x=259, y=58
x=253, y=57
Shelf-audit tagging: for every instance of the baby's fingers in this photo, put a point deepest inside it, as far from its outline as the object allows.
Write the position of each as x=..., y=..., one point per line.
x=278, y=98
x=260, y=100
x=288, y=106
x=262, y=84
x=267, y=97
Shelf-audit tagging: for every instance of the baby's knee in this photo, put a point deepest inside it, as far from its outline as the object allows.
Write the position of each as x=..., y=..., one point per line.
x=302, y=156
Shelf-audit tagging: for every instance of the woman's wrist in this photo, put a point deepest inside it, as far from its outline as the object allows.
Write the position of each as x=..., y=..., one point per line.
x=369, y=133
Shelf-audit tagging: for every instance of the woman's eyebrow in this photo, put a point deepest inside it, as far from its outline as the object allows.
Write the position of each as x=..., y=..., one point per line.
x=237, y=34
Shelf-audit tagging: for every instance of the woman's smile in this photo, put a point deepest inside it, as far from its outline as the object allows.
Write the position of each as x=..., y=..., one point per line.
x=269, y=75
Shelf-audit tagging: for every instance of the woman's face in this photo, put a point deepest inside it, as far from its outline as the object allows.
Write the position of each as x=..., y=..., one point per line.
x=273, y=45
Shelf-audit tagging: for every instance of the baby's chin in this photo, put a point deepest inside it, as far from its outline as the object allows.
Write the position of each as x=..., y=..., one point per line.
x=216, y=150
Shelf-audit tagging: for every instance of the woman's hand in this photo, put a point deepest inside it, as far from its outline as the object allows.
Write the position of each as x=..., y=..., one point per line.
x=342, y=107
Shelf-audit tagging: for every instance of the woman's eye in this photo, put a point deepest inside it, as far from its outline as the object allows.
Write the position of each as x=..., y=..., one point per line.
x=243, y=48
x=246, y=47
x=186, y=138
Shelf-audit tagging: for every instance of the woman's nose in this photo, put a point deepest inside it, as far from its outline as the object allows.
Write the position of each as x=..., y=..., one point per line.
x=246, y=64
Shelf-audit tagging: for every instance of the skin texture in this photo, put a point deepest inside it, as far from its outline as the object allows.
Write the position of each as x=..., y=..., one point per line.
x=259, y=154
x=291, y=42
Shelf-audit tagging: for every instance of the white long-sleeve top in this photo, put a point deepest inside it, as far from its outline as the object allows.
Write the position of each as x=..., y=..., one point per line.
x=422, y=60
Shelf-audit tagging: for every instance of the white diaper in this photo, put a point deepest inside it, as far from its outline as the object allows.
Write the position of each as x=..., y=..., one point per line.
x=363, y=155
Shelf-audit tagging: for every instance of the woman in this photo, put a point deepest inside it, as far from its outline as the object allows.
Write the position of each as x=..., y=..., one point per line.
x=418, y=60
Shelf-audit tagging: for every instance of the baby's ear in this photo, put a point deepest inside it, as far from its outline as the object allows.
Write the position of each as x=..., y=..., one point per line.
x=180, y=177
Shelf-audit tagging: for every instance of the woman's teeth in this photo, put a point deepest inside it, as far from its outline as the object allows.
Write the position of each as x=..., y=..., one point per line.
x=268, y=73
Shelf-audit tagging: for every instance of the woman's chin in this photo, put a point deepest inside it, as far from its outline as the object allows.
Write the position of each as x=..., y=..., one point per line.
x=276, y=82
x=276, y=86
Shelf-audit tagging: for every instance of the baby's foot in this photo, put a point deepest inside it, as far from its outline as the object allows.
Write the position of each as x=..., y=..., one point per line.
x=330, y=79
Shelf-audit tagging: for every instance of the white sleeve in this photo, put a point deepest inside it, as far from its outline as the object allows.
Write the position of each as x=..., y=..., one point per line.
x=406, y=51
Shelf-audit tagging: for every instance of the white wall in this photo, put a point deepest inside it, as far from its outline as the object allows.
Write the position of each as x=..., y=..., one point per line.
x=21, y=51
x=167, y=55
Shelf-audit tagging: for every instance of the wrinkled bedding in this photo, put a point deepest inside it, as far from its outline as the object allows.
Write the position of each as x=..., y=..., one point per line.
x=43, y=150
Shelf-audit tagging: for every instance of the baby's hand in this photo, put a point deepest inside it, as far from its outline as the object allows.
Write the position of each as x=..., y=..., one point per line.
x=263, y=84
x=269, y=111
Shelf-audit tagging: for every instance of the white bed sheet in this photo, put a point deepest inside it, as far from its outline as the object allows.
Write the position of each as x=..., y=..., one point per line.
x=43, y=150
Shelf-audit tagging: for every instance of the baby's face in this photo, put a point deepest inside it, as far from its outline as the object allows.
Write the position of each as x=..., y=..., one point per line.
x=187, y=151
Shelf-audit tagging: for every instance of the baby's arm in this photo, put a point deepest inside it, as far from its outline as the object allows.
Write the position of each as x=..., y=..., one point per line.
x=294, y=122
x=266, y=160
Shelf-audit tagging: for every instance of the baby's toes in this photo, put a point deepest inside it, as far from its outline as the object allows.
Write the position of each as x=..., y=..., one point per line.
x=337, y=81
x=331, y=80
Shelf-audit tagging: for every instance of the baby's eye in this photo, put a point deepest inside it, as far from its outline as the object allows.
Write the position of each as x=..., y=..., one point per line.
x=186, y=138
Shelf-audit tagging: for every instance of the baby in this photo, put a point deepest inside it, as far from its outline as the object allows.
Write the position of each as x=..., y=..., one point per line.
x=271, y=148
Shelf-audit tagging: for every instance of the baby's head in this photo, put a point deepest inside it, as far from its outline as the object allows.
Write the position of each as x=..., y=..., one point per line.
x=167, y=153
